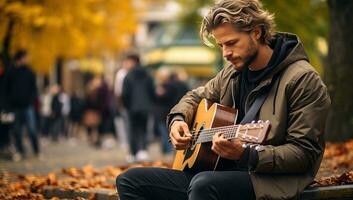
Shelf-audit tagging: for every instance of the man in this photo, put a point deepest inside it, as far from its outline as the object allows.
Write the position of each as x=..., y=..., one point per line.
x=138, y=95
x=22, y=95
x=121, y=119
x=296, y=105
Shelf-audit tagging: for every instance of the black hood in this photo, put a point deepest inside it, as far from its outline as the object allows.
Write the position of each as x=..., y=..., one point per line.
x=291, y=50
x=286, y=50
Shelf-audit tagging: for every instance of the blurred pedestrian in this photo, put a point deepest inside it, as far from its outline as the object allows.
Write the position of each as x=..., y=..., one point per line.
x=45, y=111
x=97, y=109
x=65, y=100
x=179, y=81
x=138, y=95
x=22, y=94
x=121, y=120
x=75, y=115
x=56, y=113
x=165, y=100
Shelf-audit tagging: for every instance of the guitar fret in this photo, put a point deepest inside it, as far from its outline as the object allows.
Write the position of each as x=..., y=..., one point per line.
x=207, y=135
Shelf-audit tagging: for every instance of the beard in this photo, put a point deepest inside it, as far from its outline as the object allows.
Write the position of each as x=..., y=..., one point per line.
x=252, y=53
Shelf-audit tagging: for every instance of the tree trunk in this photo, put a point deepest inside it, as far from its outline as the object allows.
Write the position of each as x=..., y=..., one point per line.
x=7, y=42
x=339, y=70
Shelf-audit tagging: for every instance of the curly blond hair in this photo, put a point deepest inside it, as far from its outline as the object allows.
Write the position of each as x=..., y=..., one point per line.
x=245, y=15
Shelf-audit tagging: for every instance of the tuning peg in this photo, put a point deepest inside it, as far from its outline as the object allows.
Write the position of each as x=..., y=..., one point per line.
x=259, y=148
x=267, y=121
x=244, y=145
x=253, y=121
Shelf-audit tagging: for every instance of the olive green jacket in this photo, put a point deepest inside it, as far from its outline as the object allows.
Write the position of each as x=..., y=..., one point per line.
x=296, y=106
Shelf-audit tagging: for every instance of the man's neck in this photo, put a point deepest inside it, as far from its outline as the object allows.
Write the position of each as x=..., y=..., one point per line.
x=262, y=59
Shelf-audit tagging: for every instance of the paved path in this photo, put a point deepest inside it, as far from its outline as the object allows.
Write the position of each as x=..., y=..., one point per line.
x=75, y=153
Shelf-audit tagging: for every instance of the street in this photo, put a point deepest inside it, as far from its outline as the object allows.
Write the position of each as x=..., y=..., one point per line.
x=75, y=153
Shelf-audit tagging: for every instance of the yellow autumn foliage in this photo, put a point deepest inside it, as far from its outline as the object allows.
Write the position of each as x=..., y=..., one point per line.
x=69, y=29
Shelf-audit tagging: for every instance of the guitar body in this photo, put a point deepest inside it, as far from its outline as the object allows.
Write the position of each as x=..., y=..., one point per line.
x=201, y=157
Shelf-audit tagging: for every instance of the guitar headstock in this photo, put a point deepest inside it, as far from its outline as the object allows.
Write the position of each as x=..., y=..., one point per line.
x=254, y=132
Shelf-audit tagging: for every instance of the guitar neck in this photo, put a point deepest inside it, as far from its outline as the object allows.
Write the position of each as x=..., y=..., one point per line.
x=229, y=132
x=251, y=132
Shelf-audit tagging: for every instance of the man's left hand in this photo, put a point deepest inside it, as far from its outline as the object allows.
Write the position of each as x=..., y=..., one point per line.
x=229, y=149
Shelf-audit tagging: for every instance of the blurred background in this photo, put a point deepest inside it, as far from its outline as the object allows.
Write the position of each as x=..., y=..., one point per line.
x=63, y=65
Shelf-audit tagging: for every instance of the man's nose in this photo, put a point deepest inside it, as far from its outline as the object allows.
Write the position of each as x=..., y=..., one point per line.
x=227, y=52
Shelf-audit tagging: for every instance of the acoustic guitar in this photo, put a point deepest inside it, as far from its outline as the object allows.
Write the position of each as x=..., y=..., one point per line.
x=209, y=120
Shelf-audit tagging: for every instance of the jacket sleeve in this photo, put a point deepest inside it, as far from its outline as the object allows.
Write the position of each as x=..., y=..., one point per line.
x=308, y=104
x=188, y=104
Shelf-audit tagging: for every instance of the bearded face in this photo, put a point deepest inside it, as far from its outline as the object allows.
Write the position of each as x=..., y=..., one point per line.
x=239, y=48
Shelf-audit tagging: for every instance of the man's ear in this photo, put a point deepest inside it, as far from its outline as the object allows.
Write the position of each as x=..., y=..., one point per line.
x=257, y=32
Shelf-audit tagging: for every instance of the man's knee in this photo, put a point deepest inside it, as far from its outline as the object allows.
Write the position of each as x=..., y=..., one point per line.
x=126, y=179
x=200, y=183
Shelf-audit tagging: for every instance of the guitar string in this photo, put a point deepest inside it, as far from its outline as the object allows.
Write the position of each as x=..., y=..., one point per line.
x=229, y=133
x=207, y=134
x=210, y=132
x=208, y=137
x=221, y=128
x=215, y=128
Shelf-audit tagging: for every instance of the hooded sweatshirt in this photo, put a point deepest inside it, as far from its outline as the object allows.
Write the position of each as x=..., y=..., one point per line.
x=250, y=79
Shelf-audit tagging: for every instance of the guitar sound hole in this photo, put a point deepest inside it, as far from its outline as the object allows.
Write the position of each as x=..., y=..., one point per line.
x=189, y=152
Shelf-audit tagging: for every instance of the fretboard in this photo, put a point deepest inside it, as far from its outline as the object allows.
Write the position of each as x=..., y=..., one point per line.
x=206, y=135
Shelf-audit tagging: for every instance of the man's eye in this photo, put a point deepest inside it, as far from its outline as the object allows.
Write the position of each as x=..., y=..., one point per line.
x=231, y=43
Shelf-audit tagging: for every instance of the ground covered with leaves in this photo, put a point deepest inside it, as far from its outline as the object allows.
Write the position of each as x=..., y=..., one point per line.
x=336, y=169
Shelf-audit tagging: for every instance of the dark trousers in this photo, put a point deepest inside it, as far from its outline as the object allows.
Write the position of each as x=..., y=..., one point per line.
x=56, y=128
x=138, y=132
x=26, y=118
x=168, y=184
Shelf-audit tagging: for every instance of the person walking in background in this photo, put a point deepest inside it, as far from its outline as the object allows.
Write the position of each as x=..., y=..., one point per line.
x=75, y=115
x=45, y=111
x=166, y=93
x=22, y=94
x=65, y=100
x=121, y=120
x=97, y=111
x=91, y=116
x=104, y=101
x=179, y=82
x=138, y=95
x=56, y=113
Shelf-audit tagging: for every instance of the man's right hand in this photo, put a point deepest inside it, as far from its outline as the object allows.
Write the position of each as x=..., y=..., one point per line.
x=180, y=135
